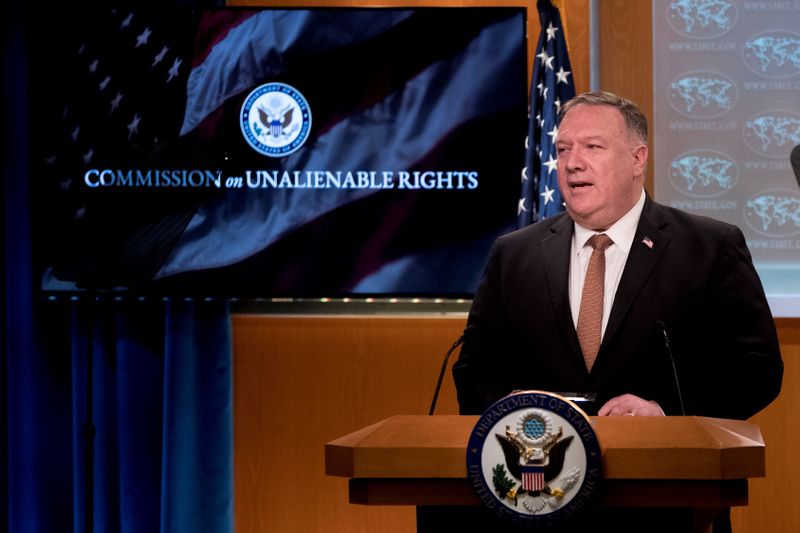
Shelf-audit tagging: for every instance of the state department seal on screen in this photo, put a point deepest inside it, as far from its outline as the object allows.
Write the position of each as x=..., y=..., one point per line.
x=534, y=459
x=275, y=119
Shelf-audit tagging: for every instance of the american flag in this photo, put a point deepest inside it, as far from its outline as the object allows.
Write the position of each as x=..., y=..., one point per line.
x=552, y=86
x=163, y=90
x=109, y=87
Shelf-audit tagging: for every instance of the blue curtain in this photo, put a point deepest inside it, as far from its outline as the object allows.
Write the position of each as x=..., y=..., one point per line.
x=116, y=412
x=162, y=407
x=160, y=404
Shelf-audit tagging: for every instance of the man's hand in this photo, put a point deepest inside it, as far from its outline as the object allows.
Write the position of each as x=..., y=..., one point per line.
x=630, y=405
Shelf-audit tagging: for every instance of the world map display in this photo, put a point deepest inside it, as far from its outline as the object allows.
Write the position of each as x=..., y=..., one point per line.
x=726, y=118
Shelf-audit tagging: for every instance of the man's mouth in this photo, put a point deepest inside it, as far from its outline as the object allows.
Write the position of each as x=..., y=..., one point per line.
x=579, y=185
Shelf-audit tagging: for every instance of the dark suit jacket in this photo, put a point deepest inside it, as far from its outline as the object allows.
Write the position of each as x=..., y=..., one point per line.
x=698, y=279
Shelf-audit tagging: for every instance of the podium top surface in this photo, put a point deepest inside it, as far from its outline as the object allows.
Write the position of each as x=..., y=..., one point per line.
x=688, y=448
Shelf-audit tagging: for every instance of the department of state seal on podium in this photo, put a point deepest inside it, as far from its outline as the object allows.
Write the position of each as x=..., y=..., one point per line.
x=534, y=458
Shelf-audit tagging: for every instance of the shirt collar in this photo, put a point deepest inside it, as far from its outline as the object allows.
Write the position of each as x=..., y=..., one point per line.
x=621, y=232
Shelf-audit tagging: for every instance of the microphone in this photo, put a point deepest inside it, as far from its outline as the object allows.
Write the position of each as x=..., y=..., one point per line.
x=794, y=158
x=663, y=330
x=469, y=329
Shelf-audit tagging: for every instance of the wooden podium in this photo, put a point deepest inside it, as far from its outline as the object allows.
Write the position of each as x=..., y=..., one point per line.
x=696, y=463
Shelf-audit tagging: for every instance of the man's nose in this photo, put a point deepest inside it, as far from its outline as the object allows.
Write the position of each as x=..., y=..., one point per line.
x=571, y=160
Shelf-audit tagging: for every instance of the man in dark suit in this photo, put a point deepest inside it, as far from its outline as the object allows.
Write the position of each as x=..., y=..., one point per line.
x=670, y=278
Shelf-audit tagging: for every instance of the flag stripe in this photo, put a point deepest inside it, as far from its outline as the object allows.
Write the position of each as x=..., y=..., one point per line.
x=257, y=48
x=533, y=480
x=213, y=28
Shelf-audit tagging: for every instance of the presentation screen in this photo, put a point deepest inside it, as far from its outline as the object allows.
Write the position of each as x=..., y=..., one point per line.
x=727, y=119
x=274, y=152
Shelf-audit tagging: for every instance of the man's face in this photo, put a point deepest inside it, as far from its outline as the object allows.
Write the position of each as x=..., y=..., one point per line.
x=600, y=165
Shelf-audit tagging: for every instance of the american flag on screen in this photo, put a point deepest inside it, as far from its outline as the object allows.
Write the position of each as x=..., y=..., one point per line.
x=119, y=79
x=109, y=87
x=428, y=86
x=552, y=86
x=166, y=91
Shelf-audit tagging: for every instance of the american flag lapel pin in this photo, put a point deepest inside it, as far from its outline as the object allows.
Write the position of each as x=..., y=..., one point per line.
x=647, y=242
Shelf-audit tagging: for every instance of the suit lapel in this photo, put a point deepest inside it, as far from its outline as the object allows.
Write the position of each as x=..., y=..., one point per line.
x=648, y=245
x=555, y=251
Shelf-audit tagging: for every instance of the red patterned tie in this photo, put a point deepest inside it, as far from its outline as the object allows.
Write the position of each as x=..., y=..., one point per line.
x=590, y=316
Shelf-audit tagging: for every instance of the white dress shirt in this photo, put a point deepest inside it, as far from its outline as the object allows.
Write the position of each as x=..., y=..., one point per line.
x=622, y=233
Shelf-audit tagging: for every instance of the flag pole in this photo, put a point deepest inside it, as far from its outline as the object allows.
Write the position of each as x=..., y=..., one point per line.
x=594, y=45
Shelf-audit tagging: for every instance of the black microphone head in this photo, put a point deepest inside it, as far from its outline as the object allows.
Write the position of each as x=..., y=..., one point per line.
x=794, y=158
x=665, y=338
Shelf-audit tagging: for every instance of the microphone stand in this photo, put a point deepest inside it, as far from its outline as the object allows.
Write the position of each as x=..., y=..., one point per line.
x=663, y=329
x=444, y=367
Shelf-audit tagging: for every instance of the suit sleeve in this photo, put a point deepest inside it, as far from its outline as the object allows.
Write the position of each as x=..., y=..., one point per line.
x=748, y=361
x=475, y=373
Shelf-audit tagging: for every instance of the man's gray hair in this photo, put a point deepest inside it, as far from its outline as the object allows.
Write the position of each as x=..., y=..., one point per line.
x=635, y=120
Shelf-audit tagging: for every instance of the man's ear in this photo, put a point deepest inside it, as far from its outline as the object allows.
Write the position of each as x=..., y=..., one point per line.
x=640, y=153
